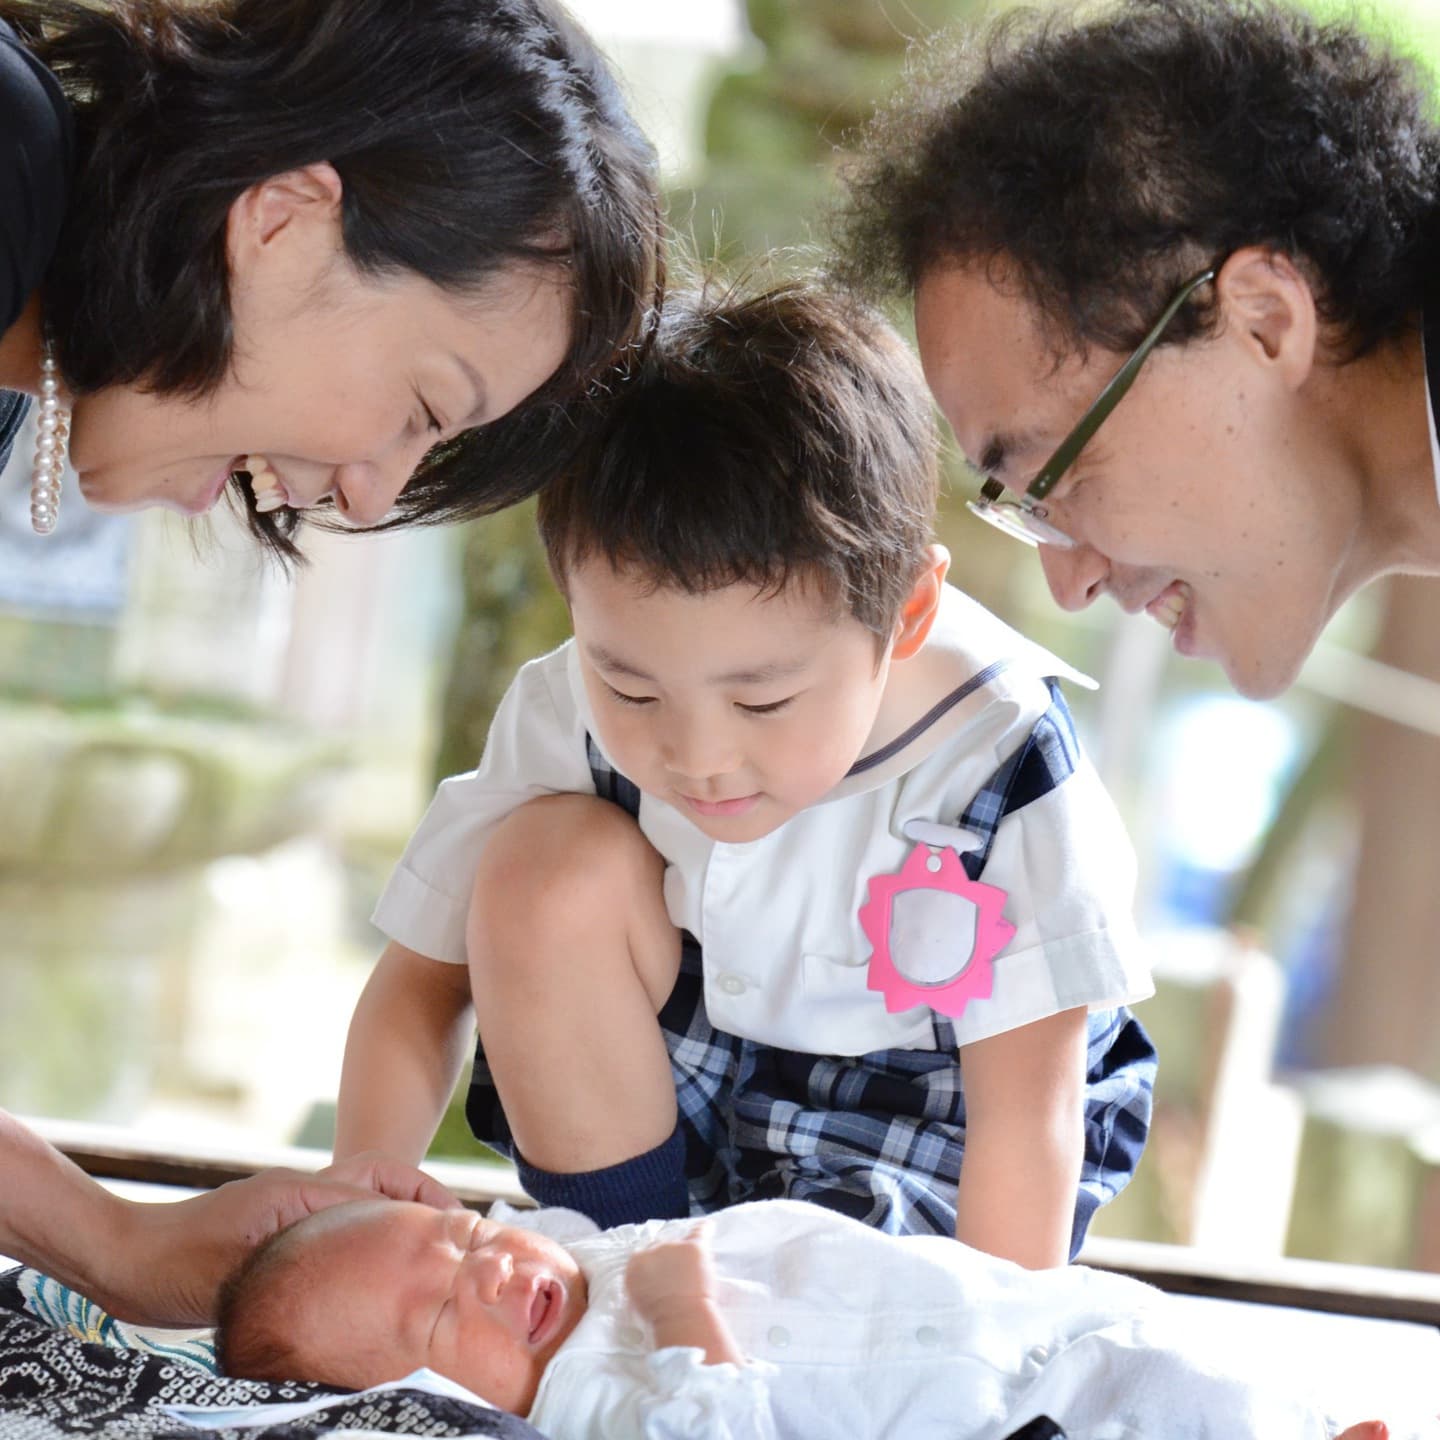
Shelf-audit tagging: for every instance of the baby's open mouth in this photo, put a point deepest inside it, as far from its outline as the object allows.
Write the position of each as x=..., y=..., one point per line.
x=546, y=1299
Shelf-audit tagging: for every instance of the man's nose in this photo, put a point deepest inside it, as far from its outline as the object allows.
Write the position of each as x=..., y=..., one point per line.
x=1076, y=576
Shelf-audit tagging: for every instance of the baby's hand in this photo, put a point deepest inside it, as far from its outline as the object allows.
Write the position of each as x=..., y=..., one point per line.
x=674, y=1278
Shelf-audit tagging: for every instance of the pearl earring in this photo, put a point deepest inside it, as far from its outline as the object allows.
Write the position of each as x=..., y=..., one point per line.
x=51, y=444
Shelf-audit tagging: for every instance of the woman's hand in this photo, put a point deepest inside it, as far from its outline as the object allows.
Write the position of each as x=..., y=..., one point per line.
x=164, y=1262
x=675, y=1289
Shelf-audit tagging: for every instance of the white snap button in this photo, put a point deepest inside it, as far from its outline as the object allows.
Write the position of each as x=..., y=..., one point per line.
x=628, y=1335
x=779, y=1336
x=1039, y=1354
x=932, y=863
x=928, y=1335
x=732, y=984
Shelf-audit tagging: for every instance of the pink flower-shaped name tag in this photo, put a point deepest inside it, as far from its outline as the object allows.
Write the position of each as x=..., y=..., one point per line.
x=935, y=932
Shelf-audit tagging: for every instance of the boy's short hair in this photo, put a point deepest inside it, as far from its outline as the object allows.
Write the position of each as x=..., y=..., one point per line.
x=1106, y=154
x=762, y=437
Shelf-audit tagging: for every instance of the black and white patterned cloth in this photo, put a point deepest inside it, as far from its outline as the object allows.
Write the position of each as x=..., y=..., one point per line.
x=53, y=1386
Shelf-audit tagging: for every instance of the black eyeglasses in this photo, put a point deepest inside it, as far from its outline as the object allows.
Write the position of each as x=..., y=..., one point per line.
x=1022, y=516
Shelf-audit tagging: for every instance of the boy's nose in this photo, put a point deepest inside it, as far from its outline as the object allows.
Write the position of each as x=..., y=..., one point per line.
x=693, y=756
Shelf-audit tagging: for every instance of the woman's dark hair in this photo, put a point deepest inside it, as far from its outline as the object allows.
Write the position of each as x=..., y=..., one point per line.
x=468, y=134
x=1103, y=160
x=761, y=437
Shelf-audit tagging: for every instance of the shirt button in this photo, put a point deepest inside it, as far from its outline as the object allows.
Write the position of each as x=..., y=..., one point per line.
x=928, y=1335
x=779, y=1336
x=732, y=984
x=1039, y=1354
x=629, y=1336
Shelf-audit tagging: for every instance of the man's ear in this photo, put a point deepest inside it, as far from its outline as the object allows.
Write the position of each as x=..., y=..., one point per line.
x=1269, y=307
x=280, y=204
x=918, y=612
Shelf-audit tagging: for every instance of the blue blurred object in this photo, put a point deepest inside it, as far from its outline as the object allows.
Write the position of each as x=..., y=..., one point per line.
x=1222, y=765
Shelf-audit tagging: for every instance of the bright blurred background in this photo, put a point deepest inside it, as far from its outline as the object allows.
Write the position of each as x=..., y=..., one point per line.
x=207, y=768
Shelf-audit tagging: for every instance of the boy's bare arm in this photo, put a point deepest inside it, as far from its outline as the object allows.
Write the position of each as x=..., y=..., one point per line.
x=409, y=1036
x=1024, y=1140
x=674, y=1288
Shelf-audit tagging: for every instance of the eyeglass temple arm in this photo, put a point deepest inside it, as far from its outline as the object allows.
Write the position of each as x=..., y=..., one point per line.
x=1109, y=397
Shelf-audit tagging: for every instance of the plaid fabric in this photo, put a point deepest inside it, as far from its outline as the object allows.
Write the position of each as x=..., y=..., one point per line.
x=878, y=1137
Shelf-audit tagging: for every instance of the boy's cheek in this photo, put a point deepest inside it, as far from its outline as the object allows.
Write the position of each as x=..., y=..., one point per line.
x=629, y=747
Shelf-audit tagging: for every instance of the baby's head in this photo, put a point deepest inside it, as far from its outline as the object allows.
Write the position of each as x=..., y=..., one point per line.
x=368, y=1292
x=745, y=544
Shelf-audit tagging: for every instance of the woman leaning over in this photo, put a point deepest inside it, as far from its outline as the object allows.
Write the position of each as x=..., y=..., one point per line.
x=281, y=251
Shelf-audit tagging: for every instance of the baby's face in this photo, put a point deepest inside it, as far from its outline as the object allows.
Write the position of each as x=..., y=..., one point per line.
x=397, y=1286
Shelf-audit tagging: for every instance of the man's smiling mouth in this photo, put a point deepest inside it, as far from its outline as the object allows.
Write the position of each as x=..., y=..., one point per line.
x=1169, y=606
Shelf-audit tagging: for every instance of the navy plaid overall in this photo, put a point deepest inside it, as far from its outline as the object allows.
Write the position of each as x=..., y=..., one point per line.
x=878, y=1137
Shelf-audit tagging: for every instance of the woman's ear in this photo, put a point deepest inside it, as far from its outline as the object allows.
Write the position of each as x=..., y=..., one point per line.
x=918, y=612
x=278, y=207
x=1270, y=308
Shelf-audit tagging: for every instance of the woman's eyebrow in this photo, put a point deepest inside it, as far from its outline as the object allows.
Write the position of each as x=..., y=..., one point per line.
x=482, y=395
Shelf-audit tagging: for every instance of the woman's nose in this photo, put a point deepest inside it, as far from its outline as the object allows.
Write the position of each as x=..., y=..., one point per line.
x=365, y=494
x=1076, y=576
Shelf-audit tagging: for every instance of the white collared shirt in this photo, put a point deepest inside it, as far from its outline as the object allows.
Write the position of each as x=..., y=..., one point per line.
x=857, y=1334
x=784, y=954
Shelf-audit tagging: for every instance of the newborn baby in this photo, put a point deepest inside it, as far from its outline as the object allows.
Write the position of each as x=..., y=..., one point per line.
x=773, y=1319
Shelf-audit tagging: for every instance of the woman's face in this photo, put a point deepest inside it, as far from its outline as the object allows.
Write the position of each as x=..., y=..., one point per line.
x=341, y=381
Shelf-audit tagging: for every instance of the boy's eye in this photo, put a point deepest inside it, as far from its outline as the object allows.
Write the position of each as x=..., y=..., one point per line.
x=625, y=699
x=772, y=708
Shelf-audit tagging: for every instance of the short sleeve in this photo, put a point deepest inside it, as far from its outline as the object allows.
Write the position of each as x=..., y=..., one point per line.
x=38, y=153
x=1068, y=870
x=536, y=747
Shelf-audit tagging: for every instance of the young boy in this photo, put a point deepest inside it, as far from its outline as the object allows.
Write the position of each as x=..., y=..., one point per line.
x=771, y=674
x=780, y=1321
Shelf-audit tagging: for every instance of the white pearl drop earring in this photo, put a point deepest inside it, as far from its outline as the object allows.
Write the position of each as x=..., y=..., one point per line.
x=52, y=441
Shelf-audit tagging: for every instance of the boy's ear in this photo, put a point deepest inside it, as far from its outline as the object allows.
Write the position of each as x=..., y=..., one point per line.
x=918, y=612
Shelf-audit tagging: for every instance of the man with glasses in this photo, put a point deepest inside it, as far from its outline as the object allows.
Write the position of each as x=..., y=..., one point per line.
x=1169, y=268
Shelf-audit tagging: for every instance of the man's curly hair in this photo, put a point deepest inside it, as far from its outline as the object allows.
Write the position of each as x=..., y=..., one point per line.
x=1101, y=157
